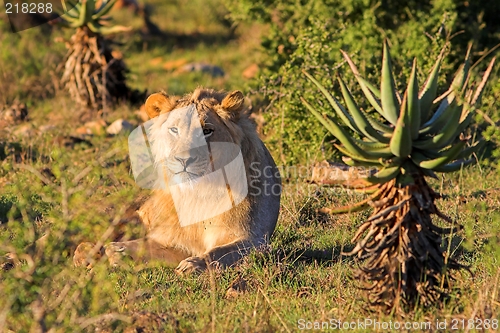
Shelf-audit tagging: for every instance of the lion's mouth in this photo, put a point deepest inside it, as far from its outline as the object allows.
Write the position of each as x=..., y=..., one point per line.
x=184, y=176
x=189, y=174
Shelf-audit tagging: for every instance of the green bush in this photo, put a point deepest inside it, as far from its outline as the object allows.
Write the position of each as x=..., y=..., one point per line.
x=307, y=35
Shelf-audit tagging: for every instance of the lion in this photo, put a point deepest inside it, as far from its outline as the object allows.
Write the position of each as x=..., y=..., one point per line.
x=193, y=219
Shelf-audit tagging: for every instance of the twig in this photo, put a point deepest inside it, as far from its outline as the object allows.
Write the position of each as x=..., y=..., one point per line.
x=388, y=210
x=484, y=56
x=105, y=317
x=86, y=171
x=486, y=117
x=33, y=171
x=274, y=310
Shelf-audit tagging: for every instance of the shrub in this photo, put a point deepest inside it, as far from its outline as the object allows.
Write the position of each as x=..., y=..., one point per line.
x=308, y=35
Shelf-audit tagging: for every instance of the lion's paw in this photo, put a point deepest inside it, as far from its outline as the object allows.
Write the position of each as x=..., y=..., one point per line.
x=7, y=262
x=83, y=255
x=191, y=265
x=115, y=252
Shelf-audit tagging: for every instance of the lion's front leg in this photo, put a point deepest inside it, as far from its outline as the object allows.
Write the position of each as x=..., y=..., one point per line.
x=219, y=257
x=144, y=250
x=140, y=250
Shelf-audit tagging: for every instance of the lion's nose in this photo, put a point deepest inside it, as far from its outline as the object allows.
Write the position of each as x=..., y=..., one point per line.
x=185, y=161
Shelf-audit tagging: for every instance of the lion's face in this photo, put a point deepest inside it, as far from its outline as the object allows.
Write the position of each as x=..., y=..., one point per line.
x=193, y=140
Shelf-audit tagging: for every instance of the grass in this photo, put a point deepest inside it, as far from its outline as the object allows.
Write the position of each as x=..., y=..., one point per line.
x=73, y=193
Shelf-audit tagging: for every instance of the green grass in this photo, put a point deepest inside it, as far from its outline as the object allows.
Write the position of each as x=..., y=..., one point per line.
x=302, y=276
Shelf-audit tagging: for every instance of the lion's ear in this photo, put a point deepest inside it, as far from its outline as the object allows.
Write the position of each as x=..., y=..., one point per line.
x=157, y=103
x=233, y=102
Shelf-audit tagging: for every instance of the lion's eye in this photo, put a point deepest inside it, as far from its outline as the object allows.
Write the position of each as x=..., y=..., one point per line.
x=173, y=130
x=207, y=131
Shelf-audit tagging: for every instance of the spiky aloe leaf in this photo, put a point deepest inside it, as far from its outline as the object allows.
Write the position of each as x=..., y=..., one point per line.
x=385, y=175
x=446, y=109
x=446, y=156
x=374, y=90
x=359, y=118
x=401, y=142
x=365, y=88
x=348, y=142
x=455, y=166
x=362, y=205
x=104, y=9
x=429, y=91
x=390, y=104
x=82, y=12
x=339, y=109
x=449, y=133
x=462, y=76
x=479, y=91
x=472, y=149
x=413, y=102
x=374, y=161
x=369, y=145
x=386, y=130
x=338, y=132
x=105, y=30
x=90, y=7
x=85, y=14
x=72, y=5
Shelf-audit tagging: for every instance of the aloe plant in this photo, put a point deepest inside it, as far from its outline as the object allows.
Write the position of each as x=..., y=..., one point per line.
x=420, y=134
x=93, y=73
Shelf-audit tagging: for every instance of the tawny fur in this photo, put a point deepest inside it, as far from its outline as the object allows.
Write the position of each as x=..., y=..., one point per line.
x=225, y=238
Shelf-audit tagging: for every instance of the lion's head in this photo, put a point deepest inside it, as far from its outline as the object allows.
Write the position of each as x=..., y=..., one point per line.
x=198, y=133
